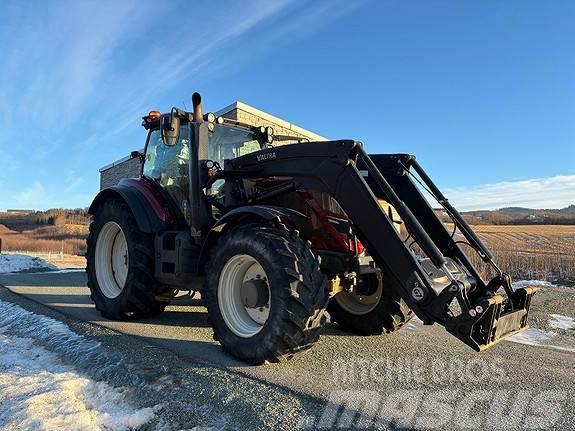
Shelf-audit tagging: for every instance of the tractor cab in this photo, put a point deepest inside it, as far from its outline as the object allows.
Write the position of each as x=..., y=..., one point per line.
x=184, y=149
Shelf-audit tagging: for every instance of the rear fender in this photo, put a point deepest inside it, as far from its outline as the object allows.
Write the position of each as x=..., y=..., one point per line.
x=265, y=214
x=147, y=204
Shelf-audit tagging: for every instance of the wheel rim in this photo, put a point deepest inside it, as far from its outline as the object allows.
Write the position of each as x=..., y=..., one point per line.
x=111, y=260
x=242, y=320
x=360, y=304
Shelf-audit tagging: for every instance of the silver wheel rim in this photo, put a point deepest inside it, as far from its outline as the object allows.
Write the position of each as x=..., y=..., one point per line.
x=111, y=260
x=243, y=321
x=359, y=304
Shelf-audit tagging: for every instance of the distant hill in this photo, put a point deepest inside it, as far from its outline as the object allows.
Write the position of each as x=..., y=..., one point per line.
x=55, y=230
x=519, y=215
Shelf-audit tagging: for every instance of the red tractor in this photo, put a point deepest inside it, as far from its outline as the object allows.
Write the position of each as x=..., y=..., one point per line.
x=274, y=235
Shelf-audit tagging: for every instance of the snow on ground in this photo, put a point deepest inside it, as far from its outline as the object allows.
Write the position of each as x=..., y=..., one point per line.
x=558, y=321
x=413, y=323
x=66, y=271
x=538, y=337
x=39, y=391
x=532, y=283
x=531, y=336
x=21, y=262
x=537, y=283
x=410, y=327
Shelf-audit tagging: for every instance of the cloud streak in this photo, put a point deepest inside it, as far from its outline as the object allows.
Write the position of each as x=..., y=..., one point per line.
x=77, y=76
x=550, y=192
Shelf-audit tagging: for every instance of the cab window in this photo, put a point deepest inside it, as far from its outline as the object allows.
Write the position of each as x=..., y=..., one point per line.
x=166, y=164
x=227, y=142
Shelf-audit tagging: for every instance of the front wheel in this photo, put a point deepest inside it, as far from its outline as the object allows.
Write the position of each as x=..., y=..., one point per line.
x=265, y=294
x=372, y=309
x=119, y=264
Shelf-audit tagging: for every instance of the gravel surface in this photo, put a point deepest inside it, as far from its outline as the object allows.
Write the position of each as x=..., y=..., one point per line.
x=421, y=376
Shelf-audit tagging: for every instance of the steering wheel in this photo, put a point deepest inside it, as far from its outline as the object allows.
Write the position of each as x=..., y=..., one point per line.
x=212, y=167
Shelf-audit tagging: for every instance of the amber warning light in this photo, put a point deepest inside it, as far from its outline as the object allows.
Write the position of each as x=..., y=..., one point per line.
x=154, y=115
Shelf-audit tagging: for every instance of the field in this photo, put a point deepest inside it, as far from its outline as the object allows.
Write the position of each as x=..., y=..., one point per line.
x=55, y=231
x=545, y=252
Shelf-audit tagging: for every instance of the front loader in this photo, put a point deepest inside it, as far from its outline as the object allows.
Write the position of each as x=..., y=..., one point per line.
x=276, y=236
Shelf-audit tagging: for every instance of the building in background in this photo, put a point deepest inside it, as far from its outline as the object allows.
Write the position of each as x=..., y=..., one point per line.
x=130, y=167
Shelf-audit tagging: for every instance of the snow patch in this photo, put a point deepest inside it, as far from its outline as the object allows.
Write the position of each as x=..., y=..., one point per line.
x=21, y=262
x=410, y=327
x=81, y=352
x=532, y=337
x=413, y=323
x=416, y=320
x=538, y=337
x=66, y=271
x=559, y=321
x=533, y=283
x=39, y=391
x=539, y=283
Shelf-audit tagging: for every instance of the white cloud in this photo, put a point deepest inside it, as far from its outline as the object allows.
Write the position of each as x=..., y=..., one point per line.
x=550, y=192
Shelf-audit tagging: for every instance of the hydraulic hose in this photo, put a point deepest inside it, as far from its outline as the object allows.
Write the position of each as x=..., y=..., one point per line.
x=415, y=228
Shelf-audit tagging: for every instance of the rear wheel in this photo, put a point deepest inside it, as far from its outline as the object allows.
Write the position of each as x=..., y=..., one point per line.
x=371, y=310
x=265, y=294
x=120, y=264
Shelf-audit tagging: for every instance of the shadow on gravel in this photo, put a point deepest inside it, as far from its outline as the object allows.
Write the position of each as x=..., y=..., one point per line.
x=202, y=353
x=44, y=279
x=80, y=306
x=183, y=319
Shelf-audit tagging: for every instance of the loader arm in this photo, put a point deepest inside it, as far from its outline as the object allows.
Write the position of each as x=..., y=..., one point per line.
x=430, y=284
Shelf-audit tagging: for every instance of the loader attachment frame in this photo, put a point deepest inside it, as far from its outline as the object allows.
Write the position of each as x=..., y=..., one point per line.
x=442, y=286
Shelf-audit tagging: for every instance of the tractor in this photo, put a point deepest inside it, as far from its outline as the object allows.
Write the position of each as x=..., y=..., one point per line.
x=276, y=238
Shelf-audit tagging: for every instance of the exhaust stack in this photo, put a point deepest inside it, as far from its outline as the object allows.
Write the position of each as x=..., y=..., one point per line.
x=197, y=107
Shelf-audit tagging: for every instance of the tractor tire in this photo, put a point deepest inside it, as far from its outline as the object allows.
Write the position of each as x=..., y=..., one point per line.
x=119, y=265
x=386, y=313
x=288, y=318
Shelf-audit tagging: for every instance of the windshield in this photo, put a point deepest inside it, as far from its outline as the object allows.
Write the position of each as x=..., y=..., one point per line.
x=227, y=142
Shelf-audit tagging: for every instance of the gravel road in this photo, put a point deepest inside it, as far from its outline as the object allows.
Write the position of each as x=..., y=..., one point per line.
x=417, y=378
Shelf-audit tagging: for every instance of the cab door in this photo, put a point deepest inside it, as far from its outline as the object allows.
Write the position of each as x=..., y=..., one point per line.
x=170, y=168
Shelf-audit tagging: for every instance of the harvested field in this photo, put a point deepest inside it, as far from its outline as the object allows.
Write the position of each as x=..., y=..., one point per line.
x=552, y=239
x=545, y=252
x=54, y=231
x=67, y=239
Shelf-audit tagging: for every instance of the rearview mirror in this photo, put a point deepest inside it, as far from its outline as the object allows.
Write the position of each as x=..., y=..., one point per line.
x=170, y=129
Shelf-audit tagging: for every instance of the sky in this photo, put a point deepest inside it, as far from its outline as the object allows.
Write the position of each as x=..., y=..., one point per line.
x=482, y=92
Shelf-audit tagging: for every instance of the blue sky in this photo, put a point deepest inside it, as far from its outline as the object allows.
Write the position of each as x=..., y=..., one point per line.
x=482, y=92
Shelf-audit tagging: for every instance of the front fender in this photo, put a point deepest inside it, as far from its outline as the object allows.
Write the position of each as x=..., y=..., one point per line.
x=148, y=207
x=267, y=214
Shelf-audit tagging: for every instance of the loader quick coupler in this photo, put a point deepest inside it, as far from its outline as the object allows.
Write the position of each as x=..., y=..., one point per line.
x=492, y=318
